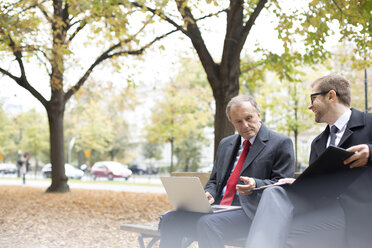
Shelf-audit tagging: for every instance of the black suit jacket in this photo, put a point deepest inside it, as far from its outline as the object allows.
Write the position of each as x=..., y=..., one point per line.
x=270, y=158
x=356, y=200
x=358, y=131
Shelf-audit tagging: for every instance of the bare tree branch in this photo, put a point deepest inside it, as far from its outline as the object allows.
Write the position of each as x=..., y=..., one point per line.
x=254, y=66
x=106, y=55
x=24, y=83
x=210, y=15
x=161, y=15
x=142, y=49
x=17, y=52
x=43, y=63
x=36, y=50
x=22, y=80
x=248, y=26
x=169, y=20
x=246, y=29
x=77, y=30
x=142, y=28
x=12, y=6
x=338, y=8
x=193, y=32
x=5, y=72
x=44, y=11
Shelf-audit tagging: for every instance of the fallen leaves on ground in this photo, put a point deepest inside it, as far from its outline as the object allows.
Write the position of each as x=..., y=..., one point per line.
x=31, y=218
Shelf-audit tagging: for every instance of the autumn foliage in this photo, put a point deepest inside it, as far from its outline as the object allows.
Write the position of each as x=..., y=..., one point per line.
x=83, y=218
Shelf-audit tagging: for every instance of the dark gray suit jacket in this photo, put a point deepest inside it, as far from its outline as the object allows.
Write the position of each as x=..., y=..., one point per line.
x=356, y=200
x=270, y=158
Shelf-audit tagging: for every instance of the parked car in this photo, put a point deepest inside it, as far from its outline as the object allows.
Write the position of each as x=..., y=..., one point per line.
x=7, y=168
x=139, y=169
x=153, y=170
x=142, y=169
x=70, y=171
x=110, y=170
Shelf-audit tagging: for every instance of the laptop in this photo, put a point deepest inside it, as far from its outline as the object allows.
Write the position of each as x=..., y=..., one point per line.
x=187, y=194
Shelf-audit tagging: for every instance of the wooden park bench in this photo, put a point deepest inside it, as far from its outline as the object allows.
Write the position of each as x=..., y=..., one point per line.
x=150, y=230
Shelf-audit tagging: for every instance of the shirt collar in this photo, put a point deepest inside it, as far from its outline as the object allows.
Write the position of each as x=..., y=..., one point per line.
x=251, y=140
x=342, y=120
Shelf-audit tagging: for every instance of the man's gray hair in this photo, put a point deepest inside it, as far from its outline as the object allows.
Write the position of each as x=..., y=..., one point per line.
x=238, y=100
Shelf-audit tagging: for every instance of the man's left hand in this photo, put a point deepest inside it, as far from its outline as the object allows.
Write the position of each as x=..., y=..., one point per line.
x=360, y=157
x=246, y=188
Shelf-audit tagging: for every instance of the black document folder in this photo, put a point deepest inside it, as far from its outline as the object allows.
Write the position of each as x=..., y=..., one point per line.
x=329, y=162
x=328, y=175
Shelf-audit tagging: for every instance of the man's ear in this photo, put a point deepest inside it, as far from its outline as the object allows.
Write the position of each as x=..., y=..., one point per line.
x=332, y=95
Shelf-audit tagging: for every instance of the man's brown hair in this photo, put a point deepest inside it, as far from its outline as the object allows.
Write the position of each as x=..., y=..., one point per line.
x=337, y=83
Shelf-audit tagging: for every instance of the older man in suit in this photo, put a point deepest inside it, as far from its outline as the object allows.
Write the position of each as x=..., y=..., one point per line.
x=254, y=157
x=285, y=218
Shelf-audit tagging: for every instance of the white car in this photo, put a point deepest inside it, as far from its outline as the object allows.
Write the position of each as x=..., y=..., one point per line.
x=70, y=171
x=110, y=170
x=7, y=168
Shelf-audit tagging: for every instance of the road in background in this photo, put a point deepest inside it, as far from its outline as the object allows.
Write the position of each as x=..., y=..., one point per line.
x=139, y=184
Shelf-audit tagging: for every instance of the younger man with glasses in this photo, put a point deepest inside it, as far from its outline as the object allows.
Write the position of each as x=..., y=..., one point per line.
x=287, y=218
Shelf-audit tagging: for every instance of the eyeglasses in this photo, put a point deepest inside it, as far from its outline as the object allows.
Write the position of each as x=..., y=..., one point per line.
x=313, y=96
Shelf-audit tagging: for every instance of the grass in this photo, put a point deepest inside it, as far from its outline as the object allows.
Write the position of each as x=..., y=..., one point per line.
x=87, y=181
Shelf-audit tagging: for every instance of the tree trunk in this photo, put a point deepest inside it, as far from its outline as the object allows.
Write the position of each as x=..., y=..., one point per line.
x=296, y=129
x=112, y=156
x=296, y=151
x=222, y=125
x=57, y=149
x=223, y=77
x=187, y=165
x=79, y=158
x=172, y=147
x=36, y=166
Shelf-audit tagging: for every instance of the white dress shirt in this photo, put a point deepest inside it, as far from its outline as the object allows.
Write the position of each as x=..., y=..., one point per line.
x=341, y=124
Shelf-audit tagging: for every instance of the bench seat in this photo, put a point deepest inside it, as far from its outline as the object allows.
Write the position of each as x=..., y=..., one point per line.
x=149, y=230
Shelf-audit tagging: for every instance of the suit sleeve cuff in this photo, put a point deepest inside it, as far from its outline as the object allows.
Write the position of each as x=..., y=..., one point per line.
x=259, y=182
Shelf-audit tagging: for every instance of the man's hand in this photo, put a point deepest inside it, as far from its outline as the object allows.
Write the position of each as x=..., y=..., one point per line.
x=360, y=157
x=284, y=181
x=246, y=189
x=209, y=197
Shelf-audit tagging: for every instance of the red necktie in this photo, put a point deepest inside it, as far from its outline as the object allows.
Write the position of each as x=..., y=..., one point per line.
x=228, y=197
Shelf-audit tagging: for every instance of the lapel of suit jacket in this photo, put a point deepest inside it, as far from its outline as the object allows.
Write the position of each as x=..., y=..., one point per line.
x=357, y=119
x=320, y=142
x=258, y=145
x=230, y=154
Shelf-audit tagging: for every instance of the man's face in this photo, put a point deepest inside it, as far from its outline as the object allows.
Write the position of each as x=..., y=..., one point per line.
x=319, y=106
x=246, y=120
